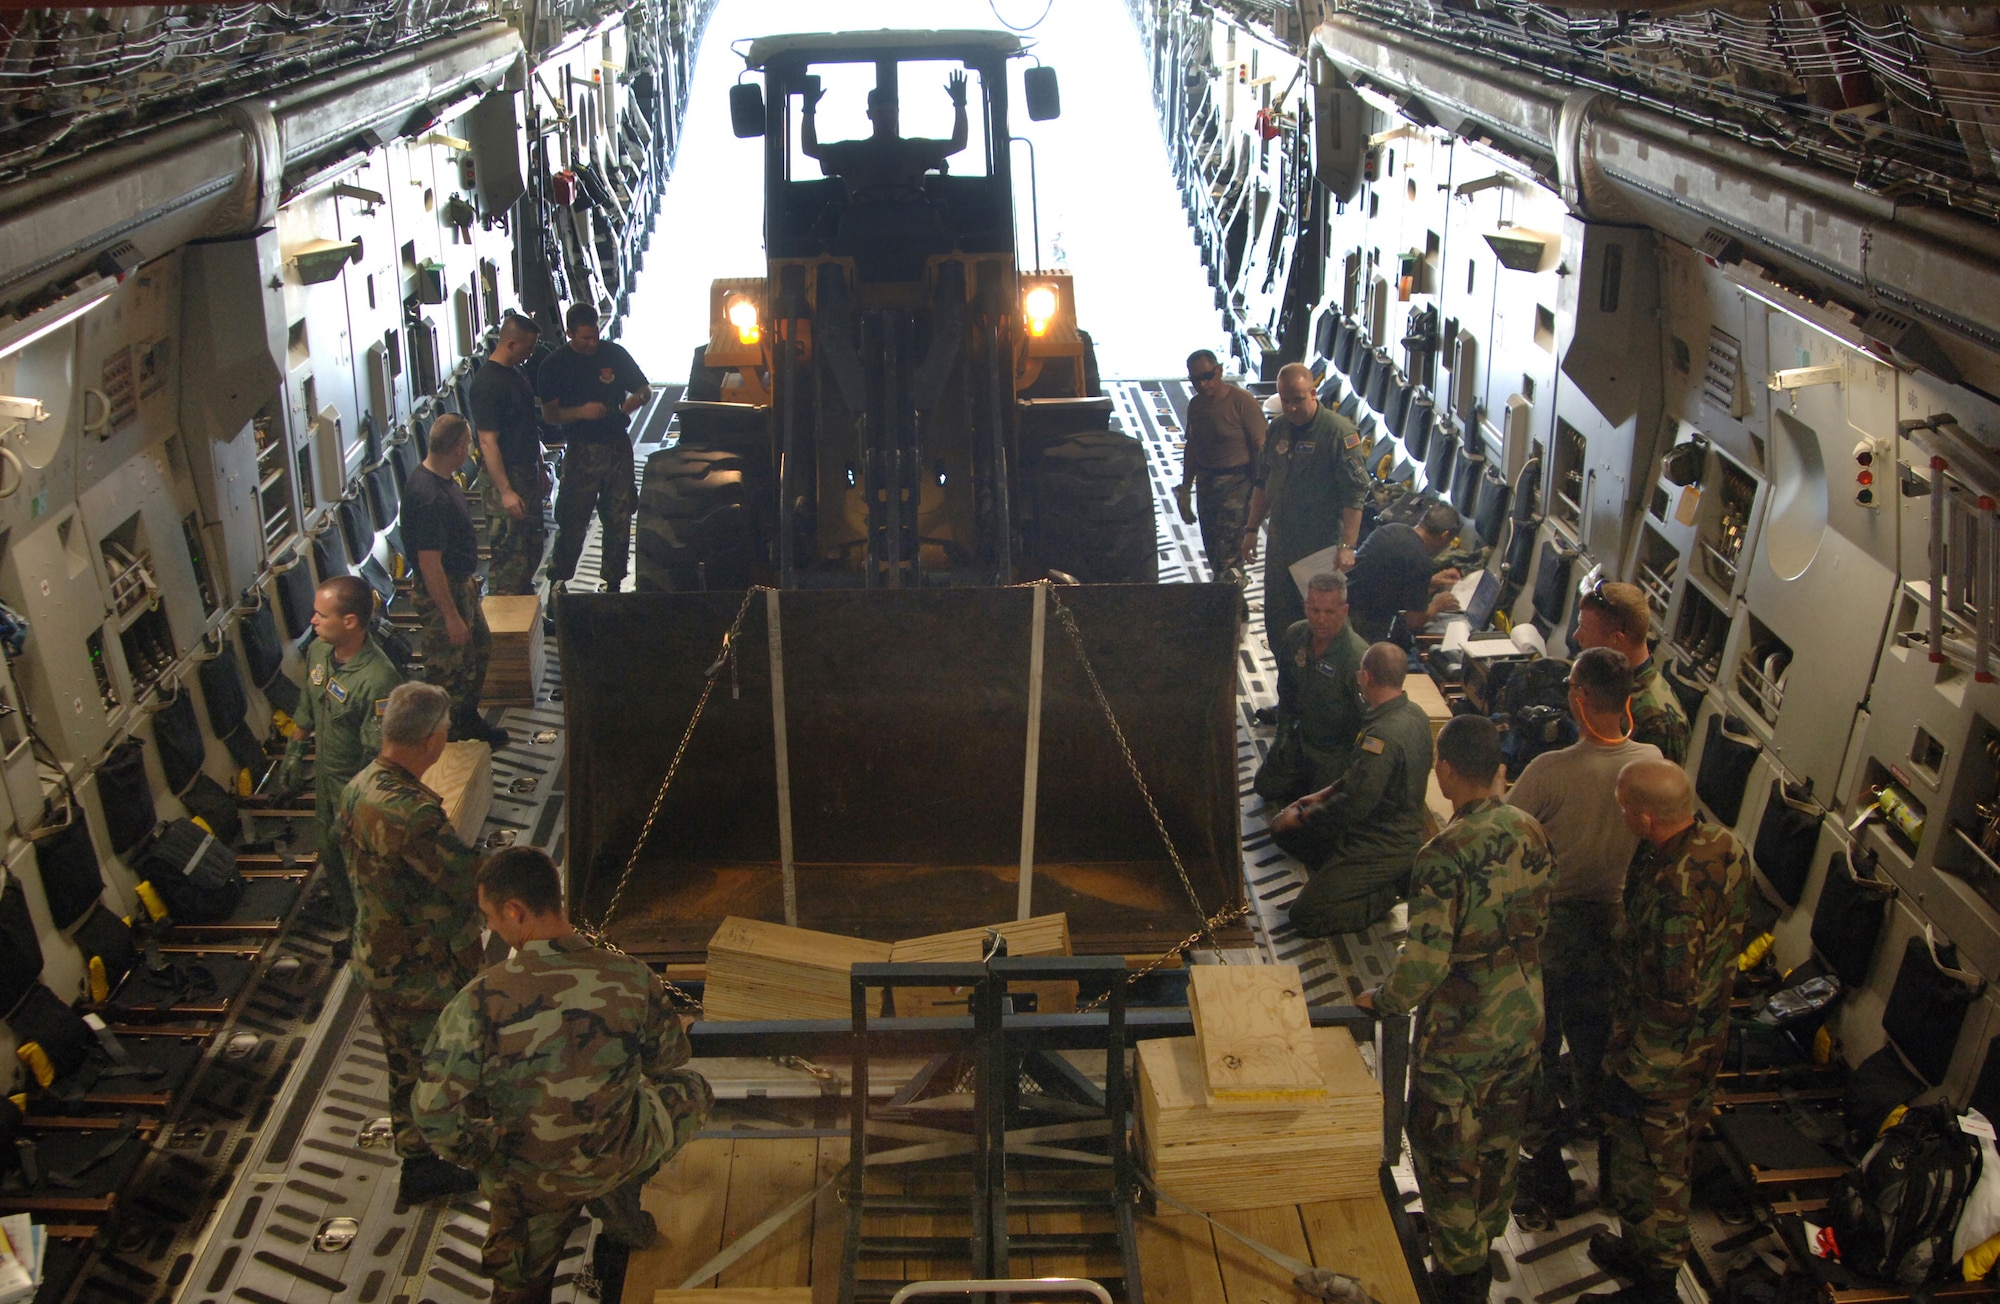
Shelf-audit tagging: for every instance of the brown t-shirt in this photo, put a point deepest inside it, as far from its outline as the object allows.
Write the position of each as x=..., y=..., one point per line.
x=1225, y=433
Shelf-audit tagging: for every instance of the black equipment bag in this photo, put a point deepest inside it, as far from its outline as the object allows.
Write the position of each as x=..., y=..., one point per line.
x=54, y=1039
x=222, y=691
x=1330, y=389
x=1986, y=1091
x=20, y=948
x=177, y=737
x=1489, y=505
x=1848, y=919
x=1872, y=1091
x=1381, y=379
x=1927, y=1005
x=1363, y=369
x=357, y=528
x=127, y=798
x=1324, y=326
x=1894, y=1216
x=1688, y=690
x=1786, y=839
x=1552, y=583
x=263, y=648
x=330, y=555
x=72, y=880
x=1345, y=337
x=1440, y=459
x=1465, y=475
x=108, y=947
x=295, y=599
x=212, y=804
x=1418, y=419
x=194, y=873
x=1399, y=405
x=1726, y=758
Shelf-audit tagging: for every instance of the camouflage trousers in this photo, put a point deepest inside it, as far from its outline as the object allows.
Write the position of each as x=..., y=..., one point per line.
x=595, y=478
x=1465, y=1139
x=333, y=862
x=1643, y=1165
x=404, y=1027
x=459, y=671
x=527, y=1229
x=514, y=548
x=1577, y=981
x=1222, y=505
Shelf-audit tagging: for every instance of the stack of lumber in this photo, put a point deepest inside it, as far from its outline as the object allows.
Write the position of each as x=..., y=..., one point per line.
x=1042, y=935
x=463, y=778
x=1258, y=1108
x=1423, y=690
x=514, y=671
x=768, y=971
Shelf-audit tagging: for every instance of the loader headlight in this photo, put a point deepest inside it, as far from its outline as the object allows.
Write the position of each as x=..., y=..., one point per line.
x=1039, y=304
x=743, y=316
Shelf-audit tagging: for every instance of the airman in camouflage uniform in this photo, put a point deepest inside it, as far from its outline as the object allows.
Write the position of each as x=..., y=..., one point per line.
x=1687, y=898
x=555, y=1076
x=416, y=929
x=1319, y=706
x=1358, y=837
x=1657, y=717
x=1311, y=483
x=1478, y=899
x=1616, y=616
x=348, y=680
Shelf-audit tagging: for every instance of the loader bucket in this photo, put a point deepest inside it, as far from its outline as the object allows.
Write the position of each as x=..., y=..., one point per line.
x=906, y=721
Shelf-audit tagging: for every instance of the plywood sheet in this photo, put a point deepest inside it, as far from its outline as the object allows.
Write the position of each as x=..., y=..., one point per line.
x=686, y=1197
x=764, y=1177
x=759, y=970
x=1358, y=1237
x=1252, y=1033
x=1041, y=935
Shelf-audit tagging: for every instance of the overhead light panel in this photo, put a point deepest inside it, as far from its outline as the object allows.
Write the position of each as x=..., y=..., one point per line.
x=20, y=334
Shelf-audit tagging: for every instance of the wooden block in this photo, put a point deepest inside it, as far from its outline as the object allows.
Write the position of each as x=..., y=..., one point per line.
x=1041, y=935
x=686, y=1197
x=514, y=668
x=463, y=777
x=1217, y=1155
x=764, y=1177
x=1252, y=1032
x=758, y=970
x=1358, y=1237
x=1423, y=690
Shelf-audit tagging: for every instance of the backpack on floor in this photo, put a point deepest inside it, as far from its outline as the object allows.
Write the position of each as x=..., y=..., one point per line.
x=1894, y=1216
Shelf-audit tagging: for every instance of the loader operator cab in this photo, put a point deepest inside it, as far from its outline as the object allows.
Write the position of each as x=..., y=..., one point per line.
x=887, y=148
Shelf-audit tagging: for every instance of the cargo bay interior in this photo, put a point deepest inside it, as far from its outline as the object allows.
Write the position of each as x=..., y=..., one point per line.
x=1697, y=298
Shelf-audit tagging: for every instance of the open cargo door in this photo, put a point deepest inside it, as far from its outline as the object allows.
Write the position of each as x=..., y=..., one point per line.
x=906, y=716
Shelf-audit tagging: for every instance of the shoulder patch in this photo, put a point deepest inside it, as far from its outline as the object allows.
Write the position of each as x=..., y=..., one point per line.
x=1372, y=745
x=381, y=707
x=1299, y=657
x=1282, y=447
x=1352, y=441
x=318, y=674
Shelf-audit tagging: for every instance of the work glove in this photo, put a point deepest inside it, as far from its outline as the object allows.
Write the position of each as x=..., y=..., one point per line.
x=290, y=782
x=1184, y=499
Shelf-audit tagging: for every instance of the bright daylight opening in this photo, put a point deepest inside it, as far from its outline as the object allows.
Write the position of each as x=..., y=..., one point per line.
x=1109, y=212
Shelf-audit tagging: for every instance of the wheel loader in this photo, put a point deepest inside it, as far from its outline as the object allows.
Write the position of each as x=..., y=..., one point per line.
x=894, y=402
x=891, y=428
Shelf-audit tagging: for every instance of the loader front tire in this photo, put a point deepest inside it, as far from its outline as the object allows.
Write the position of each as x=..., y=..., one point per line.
x=1094, y=509
x=696, y=521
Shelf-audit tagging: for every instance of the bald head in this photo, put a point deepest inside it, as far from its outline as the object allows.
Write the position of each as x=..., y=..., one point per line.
x=1296, y=393
x=1656, y=798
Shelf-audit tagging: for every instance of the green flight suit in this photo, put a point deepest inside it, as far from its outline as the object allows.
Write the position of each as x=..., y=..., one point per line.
x=342, y=711
x=1319, y=713
x=1310, y=476
x=1657, y=717
x=1360, y=841
x=1479, y=894
x=1686, y=904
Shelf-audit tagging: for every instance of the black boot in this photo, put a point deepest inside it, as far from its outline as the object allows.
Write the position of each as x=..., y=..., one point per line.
x=427, y=1177
x=1612, y=1254
x=1545, y=1177
x=1652, y=1288
x=1462, y=1287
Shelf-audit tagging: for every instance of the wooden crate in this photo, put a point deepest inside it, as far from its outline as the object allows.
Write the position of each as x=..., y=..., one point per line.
x=1423, y=690
x=514, y=671
x=1253, y=1154
x=463, y=778
x=1041, y=935
x=1253, y=1034
x=758, y=970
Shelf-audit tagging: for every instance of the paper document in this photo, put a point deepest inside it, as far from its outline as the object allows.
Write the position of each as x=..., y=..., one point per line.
x=1313, y=563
